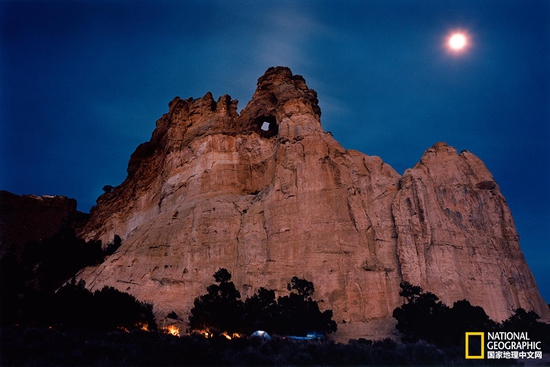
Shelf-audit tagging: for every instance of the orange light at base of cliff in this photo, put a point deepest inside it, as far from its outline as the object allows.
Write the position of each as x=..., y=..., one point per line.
x=206, y=333
x=172, y=330
x=232, y=336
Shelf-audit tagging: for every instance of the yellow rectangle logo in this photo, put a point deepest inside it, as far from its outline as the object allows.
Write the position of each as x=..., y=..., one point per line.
x=481, y=350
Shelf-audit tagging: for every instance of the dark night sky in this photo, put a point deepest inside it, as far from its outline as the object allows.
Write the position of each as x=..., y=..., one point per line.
x=82, y=84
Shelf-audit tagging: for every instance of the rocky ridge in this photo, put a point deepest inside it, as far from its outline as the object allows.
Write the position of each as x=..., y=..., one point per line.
x=34, y=218
x=268, y=195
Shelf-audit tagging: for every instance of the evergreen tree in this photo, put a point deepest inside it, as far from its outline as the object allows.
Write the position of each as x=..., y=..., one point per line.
x=220, y=309
x=298, y=312
x=524, y=321
x=424, y=317
x=261, y=311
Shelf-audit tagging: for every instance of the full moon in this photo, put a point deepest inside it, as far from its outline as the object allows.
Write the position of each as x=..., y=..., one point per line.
x=457, y=41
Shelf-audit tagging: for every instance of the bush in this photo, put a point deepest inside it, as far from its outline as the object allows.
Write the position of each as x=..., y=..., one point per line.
x=31, y=273
x=75, y=307
x=118, y=310
x=113, y=246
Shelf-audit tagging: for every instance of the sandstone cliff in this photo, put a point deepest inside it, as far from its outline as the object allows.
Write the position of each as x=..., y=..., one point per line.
x=268, y=195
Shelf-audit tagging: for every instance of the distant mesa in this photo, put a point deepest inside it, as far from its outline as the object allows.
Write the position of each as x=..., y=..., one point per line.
x=33, y=218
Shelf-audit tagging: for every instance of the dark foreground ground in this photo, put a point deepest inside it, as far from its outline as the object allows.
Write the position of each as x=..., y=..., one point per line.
x=48, y=347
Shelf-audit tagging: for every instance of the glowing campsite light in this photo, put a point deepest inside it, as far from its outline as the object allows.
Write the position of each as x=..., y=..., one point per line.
x=232, y=336
x=206, y=333
x=173, y=330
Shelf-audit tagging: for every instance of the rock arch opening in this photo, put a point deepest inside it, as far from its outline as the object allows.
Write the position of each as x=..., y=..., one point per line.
x=267, y=126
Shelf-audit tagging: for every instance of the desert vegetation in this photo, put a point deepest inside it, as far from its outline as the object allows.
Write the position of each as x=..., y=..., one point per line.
x=50, y=319
x=221, y=310
x=423, y=317
x=73, y=307
x=31, y=274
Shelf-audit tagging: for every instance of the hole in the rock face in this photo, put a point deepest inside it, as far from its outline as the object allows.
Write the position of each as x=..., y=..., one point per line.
x=267, y=126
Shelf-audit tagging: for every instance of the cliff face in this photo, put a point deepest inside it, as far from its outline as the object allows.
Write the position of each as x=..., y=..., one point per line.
x=268, y=195
x=456, y=236
x=34, y=218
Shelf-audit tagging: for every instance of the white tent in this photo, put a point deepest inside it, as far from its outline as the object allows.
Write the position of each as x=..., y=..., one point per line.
x=260, y=334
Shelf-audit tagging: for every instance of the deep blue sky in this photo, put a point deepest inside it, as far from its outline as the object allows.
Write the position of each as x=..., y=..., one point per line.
x=83, y=82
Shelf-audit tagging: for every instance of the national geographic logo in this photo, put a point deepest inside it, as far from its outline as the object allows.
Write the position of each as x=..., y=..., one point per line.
x=501, y=345
x=475, y=345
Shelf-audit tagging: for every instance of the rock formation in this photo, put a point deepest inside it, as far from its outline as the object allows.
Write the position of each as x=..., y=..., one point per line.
x=268, y=195
x=34, y=218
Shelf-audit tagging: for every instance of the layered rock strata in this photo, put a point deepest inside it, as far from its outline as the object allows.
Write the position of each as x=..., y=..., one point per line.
x=268, y=195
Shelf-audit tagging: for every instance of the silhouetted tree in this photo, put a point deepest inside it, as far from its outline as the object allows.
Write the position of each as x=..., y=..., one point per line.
x=108, y=188
x=528, y=321
x=261, y=311
x=75, y=307
x=55, y=260
x=424, y=317
x=298, y=312
x=113, y=246
x=31, y=273
x=409, y=291
x=303, y=287
x=220, y=309
x=521, y=320
x=465, y=317
x=222, y=276
x=72, y=307
x=119, y=310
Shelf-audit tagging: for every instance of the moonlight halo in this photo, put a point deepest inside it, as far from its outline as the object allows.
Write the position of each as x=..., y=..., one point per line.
x=457, y=41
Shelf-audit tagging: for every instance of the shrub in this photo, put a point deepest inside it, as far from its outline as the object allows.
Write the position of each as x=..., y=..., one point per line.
x=113, y=246
x=31, y=274
x=75, y=307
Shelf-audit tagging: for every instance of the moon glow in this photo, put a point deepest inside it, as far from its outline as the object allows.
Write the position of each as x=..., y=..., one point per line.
x=457, y=41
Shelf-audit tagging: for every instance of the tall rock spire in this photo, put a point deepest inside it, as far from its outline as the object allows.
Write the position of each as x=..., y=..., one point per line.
x=456, y=235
